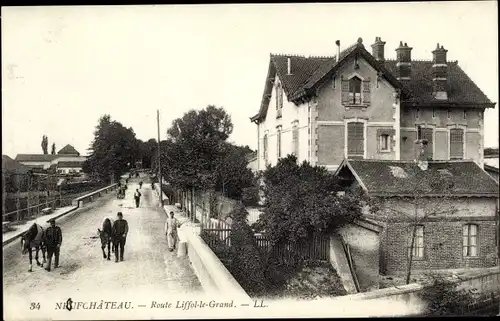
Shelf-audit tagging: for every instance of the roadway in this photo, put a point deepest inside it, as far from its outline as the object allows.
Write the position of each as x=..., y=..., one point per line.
x=147, y=267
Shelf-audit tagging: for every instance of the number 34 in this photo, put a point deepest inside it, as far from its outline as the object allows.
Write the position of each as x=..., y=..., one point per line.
x=35, y=305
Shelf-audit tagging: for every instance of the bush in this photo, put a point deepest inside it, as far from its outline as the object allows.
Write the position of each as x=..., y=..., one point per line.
x=250, y=196
x=247, y=266
x=443, y=298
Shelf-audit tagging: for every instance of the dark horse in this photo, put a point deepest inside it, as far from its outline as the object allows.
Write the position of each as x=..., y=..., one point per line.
x=106, y=235
x=34, y=238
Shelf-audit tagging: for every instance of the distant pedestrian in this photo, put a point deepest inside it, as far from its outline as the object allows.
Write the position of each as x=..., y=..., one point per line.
x=140, y=184
x=53, y=241
x=120, y=231
x=171, y=226
x=137, y=197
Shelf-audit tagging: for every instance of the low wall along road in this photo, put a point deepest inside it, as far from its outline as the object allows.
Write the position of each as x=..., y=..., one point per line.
x=79, y=202
x=213, y=275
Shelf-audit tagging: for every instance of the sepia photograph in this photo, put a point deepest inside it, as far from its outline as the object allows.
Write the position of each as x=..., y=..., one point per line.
x=281, y=160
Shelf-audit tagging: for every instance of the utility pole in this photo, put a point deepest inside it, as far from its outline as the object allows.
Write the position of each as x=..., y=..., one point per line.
x=159, y=156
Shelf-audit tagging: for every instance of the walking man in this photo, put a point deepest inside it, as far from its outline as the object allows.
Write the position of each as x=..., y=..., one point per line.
x=137, y=197
x=171, y=226
x=120, y=231
x=53, y=240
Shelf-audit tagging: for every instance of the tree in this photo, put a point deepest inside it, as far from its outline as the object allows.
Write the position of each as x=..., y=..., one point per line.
x=194, y=147
x=113, y=150
x=45, y=144
x=233, y=172
x=149, y=152
x=53, y=152
x=301, y=200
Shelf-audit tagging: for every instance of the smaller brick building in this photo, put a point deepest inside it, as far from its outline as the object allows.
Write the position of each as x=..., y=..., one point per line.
x=451, y=205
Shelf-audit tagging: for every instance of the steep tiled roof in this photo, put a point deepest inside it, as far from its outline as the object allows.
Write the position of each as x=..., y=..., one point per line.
x=309, y=73
x=11, y=166
x=301, y=69
x=461, y=89
x=399, y=178
x=35, y=157
x=69, y=164
x=68, y=150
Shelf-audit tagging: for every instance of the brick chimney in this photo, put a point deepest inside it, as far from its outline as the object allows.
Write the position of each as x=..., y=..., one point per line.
x=403, y=53
x=378, y=49
x=439, y=73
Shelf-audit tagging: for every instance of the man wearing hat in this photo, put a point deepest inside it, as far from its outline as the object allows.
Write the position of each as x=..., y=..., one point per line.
x=53, y=240
x=120, y=230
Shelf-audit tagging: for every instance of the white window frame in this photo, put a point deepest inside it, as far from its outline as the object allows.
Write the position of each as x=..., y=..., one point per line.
x=418, y=236
x=352, y=75
x=279, y=99
x=295, y=144
x=380, y=143
x=456, y=126
x=355, y=120
x=433, y=127
x=279, y=143
x=265, y=147
x=468, y=236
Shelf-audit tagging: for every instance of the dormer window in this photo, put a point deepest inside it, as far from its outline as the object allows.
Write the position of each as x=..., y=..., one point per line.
x=355, y=91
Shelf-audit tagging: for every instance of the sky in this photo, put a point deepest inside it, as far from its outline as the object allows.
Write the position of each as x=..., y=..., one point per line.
x=65, y=67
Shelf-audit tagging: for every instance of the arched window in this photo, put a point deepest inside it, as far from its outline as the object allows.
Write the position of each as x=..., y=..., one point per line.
x=355, y=90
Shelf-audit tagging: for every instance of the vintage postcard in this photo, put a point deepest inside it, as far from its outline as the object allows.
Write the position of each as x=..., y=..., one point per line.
x=250, y=161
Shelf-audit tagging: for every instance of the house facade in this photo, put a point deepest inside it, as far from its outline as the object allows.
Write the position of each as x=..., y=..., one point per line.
x=359, y=105
x=452, y=205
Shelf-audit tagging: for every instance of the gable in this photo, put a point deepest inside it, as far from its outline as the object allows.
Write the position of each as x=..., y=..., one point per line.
x=68, y=150
x=311, y=73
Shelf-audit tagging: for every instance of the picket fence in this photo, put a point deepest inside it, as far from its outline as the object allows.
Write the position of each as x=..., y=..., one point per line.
x=315, y=248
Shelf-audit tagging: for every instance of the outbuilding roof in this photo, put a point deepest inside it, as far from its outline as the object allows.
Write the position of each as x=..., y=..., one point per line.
x=405, y=178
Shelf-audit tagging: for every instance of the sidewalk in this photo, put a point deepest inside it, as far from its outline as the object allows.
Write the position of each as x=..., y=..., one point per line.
x=18, y=230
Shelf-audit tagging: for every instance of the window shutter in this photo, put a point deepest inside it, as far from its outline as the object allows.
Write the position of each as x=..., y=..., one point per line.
x=355, y=139
x=366, y=91
x=456, y=143
x=427, y=134
x=345, y=91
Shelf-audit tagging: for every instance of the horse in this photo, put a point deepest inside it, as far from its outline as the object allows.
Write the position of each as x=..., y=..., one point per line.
x=106, y=235
x=34, y=238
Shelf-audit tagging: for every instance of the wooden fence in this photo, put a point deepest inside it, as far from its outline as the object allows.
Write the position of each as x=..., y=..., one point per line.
x=28, y=212
x=315, y=248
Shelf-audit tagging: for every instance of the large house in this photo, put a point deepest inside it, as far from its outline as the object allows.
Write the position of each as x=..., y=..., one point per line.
x=384, y=125
x=361, y=105
x=67, y=160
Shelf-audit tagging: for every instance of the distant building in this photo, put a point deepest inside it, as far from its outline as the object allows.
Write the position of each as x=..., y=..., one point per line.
x=68, y=159
x=69, y=167
x=13, y=173
x=68, y=150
